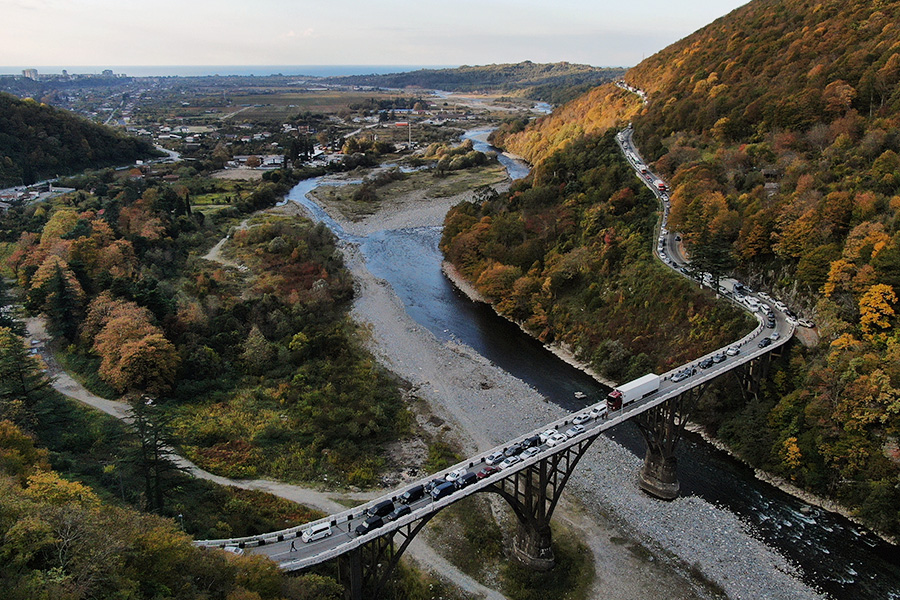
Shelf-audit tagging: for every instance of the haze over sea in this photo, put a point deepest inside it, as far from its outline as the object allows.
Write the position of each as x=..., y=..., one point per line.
x=204, y=70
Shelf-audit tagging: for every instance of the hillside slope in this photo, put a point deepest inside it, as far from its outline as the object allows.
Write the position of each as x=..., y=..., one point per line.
x=778, y=126
x=603, y=107
x=38, y=141
x=542, y=81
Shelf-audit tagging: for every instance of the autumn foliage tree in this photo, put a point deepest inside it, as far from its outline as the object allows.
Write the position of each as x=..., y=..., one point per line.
x=134, y=353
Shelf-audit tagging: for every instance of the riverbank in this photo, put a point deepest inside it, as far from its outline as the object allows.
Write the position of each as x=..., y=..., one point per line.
x=564, y=354
x=669, y=548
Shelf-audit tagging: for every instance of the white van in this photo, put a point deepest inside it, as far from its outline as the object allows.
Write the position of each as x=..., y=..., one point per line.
x=316, y=532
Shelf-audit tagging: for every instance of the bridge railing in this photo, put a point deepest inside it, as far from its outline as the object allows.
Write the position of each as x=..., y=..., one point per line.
x=335, y=520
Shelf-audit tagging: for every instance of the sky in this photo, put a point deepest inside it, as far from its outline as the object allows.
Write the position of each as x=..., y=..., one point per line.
x=73, y=33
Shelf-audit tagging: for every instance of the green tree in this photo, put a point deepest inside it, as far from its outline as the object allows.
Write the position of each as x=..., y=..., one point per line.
x=152, y=456
x=22, y=384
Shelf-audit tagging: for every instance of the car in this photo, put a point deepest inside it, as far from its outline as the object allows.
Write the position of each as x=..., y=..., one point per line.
x=400, y=511
x=233, y=550
x=790, y=313
x=806, y=323
x=442, y=491
x=455, y=474
x=464, y=480
x=412, y=494
x=530, y=452
x=764, y=296
x=494, y=458
x=764, y=342
x=770, y=324
x=781, y=306
x=510, y=461
x=369, y=524
x=513, y=450
x=706, y=363
x=429, y=487
x=556, y=439
x=720, y=357
x=487, y=471
x=534, y=440
x=574, y=430
x=546, y=435
x=381, y=509
x=582, y=418
x=677, y=238
x=598, y=411
x=775, y=336
x=316, y=532
x=792, y=321
x=684, y=374
x=733, y=351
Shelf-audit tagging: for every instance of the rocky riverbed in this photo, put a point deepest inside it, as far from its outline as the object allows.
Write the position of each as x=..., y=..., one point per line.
x=668, y=547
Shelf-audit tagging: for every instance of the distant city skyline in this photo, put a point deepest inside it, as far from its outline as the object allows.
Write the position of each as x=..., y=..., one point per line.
x=74, y=33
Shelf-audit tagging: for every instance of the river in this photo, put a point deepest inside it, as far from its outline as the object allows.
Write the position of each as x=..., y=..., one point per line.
x=835, y=555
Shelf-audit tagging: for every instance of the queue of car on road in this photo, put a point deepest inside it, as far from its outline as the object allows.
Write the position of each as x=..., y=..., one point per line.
x=383, y=512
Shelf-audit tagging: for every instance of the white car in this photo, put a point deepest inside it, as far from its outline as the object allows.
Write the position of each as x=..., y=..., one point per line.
x=780, y=305
x=764, y=296
x=574, y=430
x=733, y=351
x=529, y=452
x=494, y=458
x=806, y=323
x=556, y=439
x=775, y=336
x=598, y=411
x=454, y=475
x=509, y=462
x=582, y=418
x=547, y=435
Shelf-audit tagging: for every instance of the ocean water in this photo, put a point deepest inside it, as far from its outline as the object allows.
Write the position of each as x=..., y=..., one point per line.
x=246, y=70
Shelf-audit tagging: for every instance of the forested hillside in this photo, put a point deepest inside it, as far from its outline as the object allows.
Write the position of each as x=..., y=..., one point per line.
x=567, y=255
x=258, y=368
x=603, y=107
x=39, y=141
x=540, y=81
x=778, y=126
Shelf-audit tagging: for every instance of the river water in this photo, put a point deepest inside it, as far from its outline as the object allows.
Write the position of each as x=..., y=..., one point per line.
x=835, y=556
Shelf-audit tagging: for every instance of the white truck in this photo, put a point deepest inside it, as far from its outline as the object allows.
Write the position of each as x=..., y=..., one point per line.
x=633, y=390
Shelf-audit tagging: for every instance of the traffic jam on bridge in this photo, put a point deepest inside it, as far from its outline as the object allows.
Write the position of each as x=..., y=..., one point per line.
x=339, y=533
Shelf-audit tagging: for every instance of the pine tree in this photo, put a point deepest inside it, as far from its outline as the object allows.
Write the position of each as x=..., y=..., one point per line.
x=153, y=455
x=22, y=384
x=62, y=305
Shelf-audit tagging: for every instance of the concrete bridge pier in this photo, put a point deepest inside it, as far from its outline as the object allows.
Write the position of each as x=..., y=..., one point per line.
x=659, y=476
x=532, y=546
x=662, y=427
x=533, y=494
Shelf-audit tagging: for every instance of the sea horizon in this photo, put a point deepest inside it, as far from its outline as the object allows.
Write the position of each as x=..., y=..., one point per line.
x=224, y=70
